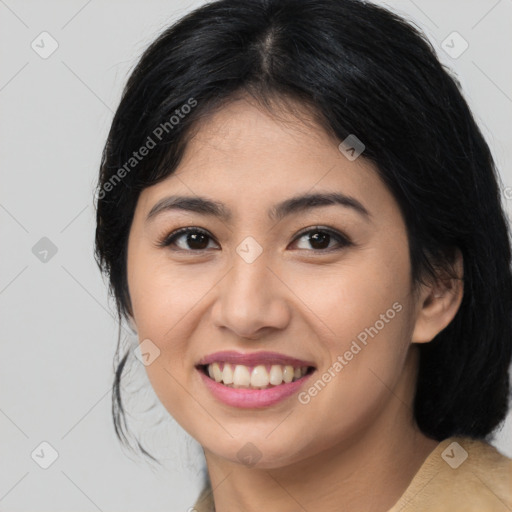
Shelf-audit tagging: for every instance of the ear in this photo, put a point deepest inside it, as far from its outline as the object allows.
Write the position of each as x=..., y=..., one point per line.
x=438, y=303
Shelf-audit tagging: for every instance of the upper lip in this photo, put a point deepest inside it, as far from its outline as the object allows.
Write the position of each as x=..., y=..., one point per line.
x=253, y=359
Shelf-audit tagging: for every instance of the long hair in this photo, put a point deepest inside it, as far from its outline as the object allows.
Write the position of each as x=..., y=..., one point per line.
x=363, y=70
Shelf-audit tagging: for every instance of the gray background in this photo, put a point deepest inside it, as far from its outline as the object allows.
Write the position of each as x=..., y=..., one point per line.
x=57, y=324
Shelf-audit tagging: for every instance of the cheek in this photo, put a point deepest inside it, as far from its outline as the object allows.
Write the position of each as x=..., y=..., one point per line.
x=365, y=327
x=363, y=292
x=341, y=304
x=161, y=292
x=162, y=301
x=165, y=305
x=363, y=314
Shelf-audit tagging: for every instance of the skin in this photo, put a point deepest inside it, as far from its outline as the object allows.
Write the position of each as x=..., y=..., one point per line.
x=355, y=445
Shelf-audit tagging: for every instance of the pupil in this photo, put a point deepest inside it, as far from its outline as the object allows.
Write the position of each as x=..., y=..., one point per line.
x=193, y=239
x=199, y=240
x=319, y=238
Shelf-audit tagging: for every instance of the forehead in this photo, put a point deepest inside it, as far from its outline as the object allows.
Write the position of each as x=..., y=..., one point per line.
x=247, y=157
x=244, y=129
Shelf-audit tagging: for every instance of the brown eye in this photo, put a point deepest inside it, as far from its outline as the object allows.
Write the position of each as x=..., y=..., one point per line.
x=320, y=238
x=193, y=239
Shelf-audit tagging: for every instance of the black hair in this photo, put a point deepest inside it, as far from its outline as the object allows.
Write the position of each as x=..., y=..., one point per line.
x=361, y=70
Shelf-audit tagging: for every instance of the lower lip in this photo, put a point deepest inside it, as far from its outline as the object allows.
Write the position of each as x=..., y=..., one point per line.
x=252, y=398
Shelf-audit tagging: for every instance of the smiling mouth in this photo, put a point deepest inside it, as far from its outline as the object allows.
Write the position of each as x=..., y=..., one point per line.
x=261, y=376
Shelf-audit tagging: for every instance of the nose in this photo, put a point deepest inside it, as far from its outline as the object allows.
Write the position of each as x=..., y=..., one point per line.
x=251, y=300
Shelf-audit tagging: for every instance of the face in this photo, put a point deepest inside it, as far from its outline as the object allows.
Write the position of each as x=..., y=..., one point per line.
x=307, y=284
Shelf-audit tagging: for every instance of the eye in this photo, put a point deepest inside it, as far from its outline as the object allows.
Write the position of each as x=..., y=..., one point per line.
x=319, y=238
x=196, y=238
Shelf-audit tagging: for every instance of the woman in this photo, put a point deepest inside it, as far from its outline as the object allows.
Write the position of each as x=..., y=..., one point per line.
x=301, y=220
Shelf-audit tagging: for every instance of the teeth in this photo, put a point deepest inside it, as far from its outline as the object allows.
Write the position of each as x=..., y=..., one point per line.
x=288, y=374
x=276, y=375
x=241, y=376
x=227, y=374
x=217, y=374
x=259, y=377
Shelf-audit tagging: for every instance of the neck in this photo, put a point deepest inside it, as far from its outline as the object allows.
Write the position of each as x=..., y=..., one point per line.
x=368, y=470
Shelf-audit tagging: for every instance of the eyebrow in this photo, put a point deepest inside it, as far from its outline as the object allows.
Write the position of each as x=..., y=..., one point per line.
x=205, y=206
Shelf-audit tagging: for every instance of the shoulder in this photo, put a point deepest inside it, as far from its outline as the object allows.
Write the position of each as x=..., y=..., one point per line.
x=461, y=474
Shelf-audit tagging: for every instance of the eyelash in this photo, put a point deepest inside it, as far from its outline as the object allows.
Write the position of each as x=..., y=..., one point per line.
x=342, y=240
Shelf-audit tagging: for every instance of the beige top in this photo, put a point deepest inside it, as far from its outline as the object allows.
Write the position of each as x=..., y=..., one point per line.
x=460, y=475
